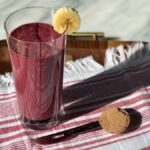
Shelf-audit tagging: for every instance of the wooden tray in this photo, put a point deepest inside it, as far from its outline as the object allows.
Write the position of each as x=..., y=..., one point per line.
x=75, y=49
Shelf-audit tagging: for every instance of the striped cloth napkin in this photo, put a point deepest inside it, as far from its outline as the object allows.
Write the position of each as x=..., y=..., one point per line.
x=92, y=90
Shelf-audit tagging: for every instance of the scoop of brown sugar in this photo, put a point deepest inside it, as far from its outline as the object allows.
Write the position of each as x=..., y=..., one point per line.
x=114, y=120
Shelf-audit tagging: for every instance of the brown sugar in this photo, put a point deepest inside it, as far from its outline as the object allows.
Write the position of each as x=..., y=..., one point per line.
x=114, y=120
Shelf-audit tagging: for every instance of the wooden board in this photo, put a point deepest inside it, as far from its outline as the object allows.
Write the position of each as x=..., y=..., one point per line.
x=75, y=49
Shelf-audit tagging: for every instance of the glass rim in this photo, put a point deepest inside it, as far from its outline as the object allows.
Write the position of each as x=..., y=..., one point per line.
x=32, y=7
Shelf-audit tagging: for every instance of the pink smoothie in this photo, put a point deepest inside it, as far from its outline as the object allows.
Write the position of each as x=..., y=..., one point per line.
x=38, y=70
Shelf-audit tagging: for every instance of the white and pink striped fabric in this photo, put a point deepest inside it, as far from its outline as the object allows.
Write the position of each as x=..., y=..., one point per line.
x=13, y=135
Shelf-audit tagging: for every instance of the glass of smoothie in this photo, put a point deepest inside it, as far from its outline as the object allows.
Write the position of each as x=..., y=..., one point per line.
x=37, y=59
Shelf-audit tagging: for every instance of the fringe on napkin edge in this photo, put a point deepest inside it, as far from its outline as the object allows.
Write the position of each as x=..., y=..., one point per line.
x=6, y=81
x=116, y=55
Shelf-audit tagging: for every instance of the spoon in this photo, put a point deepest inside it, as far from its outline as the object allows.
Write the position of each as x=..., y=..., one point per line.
x=67, y=134
x=112, y=120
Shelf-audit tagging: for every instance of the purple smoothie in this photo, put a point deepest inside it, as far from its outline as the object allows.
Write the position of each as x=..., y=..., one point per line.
x=37, y=58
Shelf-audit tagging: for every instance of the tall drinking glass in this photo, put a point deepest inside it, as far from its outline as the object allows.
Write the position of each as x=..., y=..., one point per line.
x=37, y=58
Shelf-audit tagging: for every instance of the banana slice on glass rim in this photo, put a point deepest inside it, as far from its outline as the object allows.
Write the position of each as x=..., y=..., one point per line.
x=66, y=20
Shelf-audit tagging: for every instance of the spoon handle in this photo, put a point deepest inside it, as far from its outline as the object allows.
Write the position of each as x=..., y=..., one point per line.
x=67, y=134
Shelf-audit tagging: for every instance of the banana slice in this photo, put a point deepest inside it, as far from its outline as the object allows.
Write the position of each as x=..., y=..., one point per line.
x=66, y=20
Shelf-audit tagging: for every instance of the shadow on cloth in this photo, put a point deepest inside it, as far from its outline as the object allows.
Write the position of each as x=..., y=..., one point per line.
x=107, y=86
